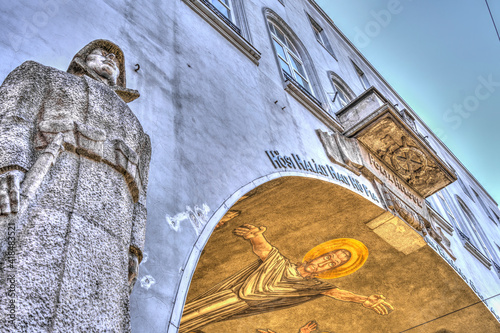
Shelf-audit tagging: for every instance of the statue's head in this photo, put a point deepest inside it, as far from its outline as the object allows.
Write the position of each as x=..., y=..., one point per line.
x=104, y=64
x=103, y=61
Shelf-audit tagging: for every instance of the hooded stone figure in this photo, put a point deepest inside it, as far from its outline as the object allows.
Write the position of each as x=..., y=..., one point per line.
x=73, y=175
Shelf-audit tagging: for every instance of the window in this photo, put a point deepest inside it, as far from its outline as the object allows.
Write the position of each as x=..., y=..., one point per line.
x=464, y=188
x=476, y=237
x=362, y=77
x=496, y=217
x=296, y=67
x=339, y=98
x=476, y=240
x=320, y=35
x=288, y=57
x=228, y=17
x=481, y=202
x=341, y=94
x=447, y=209
x=224, y=7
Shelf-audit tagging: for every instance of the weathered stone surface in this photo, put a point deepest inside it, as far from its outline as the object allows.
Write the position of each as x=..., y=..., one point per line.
x=85, y=214
x=342, y=150
x=396, y=233
x=379, y=127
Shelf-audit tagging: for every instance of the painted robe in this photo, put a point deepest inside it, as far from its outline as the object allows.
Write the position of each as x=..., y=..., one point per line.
x=71, y=269
x=261, y=287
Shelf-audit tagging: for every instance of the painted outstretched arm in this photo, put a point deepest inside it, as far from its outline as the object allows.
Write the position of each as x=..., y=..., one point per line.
x=376, y=303
x=260, y=245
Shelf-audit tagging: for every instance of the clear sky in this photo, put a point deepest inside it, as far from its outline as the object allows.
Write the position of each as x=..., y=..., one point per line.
x=443, y=58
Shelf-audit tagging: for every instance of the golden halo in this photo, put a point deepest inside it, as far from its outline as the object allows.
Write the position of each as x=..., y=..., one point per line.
x=359, y=254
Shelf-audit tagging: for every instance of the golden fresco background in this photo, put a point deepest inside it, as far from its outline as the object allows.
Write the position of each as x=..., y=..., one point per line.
x=301, y=213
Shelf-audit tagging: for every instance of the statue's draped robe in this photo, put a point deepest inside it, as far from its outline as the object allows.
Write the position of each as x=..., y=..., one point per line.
x=72, y=254
x=260, y=287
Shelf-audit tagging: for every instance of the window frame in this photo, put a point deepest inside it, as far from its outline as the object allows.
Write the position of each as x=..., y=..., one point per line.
x=464, y=187
x=321, y=38
x=239, y=37
x=483, y=206
x=228, y=6
x=447, y=209
x=340, y=95
x=473, y=236
x=314, y=99
x=290, y=54
x=365, y=83
x=339, y=88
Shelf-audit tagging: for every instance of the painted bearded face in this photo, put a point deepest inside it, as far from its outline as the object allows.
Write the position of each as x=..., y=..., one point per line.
x=327, y=261
x=104, y=64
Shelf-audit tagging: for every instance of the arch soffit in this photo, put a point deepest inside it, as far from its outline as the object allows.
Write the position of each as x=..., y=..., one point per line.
x=271, y=16
x=194, y=256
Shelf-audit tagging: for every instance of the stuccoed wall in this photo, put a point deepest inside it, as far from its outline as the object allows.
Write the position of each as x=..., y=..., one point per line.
x=210, y=112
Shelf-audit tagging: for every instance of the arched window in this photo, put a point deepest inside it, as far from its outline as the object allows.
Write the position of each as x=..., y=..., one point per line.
x=341, y=94
x=447, y=209
x=288, y=57
x=475, y=233
x=362, y=77
x=339, y=97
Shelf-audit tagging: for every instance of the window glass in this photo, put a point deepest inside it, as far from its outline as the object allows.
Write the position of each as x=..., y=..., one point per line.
x=271, y=27
x=338, y=98
x=279, y=50
x=224, y=7
x=362, y=77
x=447, y=209
x=285, y=66
x=364, y=81
x=302, y=82
x=320, y=35
x=280, y=36
x=476, y=238
x=291, y=47
x=341, y=96
x=298, y=66
x=289, y=58
x=486, y=210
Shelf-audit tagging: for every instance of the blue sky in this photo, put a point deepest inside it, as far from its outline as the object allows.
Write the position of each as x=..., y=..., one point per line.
x=443, y=58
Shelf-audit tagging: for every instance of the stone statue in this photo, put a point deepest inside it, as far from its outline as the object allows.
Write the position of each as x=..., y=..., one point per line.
x=73, y=176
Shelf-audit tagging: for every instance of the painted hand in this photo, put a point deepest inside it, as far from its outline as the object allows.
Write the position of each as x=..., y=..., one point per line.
x=248, y=231
x=309, y=327
x=378, y=304
x=9, y=191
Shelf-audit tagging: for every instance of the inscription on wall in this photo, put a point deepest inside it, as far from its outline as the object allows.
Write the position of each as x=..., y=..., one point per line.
x=295, y=162
x=393, y=180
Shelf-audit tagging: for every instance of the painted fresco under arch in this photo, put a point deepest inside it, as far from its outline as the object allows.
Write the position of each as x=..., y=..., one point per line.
x=301, y=213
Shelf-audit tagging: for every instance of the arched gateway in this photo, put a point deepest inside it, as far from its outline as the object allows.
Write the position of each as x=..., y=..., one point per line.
x=300, y=211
